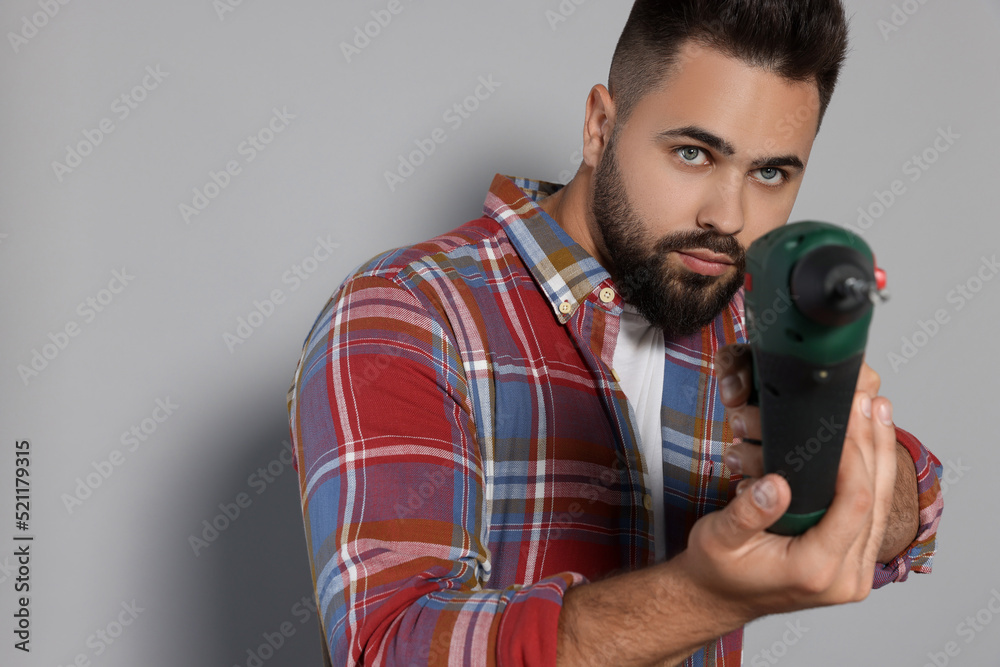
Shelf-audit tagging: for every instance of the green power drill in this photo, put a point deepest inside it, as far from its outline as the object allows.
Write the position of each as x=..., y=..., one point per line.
x=809, y=288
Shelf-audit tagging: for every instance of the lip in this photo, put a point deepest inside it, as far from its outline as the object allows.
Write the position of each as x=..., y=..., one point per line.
x=705, y=262
x=707, y=256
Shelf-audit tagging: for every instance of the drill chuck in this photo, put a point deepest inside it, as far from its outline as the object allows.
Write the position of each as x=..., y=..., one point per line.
x=831, y=285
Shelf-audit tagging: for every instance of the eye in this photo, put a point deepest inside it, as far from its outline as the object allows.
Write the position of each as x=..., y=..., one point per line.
x=771, y=176
x=690, y=154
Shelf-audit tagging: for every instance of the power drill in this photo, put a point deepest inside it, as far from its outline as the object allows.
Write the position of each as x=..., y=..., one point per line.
x=809, y=287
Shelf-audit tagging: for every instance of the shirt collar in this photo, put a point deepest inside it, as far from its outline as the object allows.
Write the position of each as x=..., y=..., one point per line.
x=566, y=272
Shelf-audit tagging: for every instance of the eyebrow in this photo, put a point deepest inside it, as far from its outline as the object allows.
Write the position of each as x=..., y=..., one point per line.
x=722, y=146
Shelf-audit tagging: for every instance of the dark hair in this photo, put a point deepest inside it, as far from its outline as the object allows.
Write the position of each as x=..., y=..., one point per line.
x=800, y=40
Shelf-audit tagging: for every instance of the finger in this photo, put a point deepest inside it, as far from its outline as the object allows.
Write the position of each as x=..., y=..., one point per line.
x=859, y=427
x=869, y=381
x=885, y=444
x=751, y=512
x=745, y=422
x=861, y=439
x=733, y=364
x=745, y=459
x=885, y=472
x=882, y=464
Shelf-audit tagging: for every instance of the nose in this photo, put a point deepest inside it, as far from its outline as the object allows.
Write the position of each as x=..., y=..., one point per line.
x=722, y=207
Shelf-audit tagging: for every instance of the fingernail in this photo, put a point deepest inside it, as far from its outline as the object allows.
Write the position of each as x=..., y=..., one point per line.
x=739, y=426
x=741, y=487
x=731, y=387
x=734, y=462
x=885, y=414
x=764, y=494
x=866, y=406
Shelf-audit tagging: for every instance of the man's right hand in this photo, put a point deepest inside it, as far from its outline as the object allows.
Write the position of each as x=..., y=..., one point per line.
x=751, y=572
x=733, y=571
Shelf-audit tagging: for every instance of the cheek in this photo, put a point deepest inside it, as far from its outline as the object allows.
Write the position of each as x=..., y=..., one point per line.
x=661, y=194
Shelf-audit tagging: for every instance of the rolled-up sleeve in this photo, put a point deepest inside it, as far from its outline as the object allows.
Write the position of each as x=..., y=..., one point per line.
x=918, y=556
x=392, y=483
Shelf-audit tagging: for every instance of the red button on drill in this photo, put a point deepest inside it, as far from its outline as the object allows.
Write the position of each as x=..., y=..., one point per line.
x=748, y=281
x=880, y=278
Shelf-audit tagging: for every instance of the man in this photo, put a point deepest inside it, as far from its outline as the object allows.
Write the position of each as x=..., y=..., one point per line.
x=518, y=442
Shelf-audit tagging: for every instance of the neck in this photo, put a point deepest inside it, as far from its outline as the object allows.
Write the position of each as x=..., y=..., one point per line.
x=569, y=207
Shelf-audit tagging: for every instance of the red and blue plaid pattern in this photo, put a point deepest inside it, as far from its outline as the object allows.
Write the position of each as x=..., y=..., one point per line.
x=465, y=453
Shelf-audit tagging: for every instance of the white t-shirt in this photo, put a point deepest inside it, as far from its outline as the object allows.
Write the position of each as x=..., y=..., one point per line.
x=638, y=363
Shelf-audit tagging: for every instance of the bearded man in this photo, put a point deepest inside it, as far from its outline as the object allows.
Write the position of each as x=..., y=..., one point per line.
x=520, y=442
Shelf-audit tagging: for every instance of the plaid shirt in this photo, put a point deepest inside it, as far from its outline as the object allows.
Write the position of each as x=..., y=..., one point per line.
x=465, y=452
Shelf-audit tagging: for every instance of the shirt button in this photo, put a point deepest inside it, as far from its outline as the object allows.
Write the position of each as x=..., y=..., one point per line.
x=607, y=295
x=565, y=307
x=647, y=501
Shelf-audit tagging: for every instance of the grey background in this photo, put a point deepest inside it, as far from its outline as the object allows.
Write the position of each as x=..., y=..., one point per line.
x=163, y=335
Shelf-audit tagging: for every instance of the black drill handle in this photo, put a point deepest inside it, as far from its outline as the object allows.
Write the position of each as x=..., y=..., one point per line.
x=804, y=410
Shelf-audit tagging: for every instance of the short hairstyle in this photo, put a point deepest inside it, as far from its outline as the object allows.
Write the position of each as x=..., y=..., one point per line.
x=800, y=40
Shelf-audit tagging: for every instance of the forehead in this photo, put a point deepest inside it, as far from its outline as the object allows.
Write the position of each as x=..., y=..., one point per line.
x=756, y=110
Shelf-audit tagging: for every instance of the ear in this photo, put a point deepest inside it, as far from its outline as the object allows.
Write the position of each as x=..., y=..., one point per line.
x=597, y=126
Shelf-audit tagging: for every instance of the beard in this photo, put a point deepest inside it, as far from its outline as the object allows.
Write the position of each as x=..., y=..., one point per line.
x=673, y=298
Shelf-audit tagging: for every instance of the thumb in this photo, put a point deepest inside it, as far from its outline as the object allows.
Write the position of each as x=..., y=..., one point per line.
x=753, y=510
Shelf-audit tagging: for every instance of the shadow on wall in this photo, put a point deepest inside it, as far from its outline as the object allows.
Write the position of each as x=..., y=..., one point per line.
x=245, y=557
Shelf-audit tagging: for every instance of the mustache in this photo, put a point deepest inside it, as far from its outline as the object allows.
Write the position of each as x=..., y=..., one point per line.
x=725, y=245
